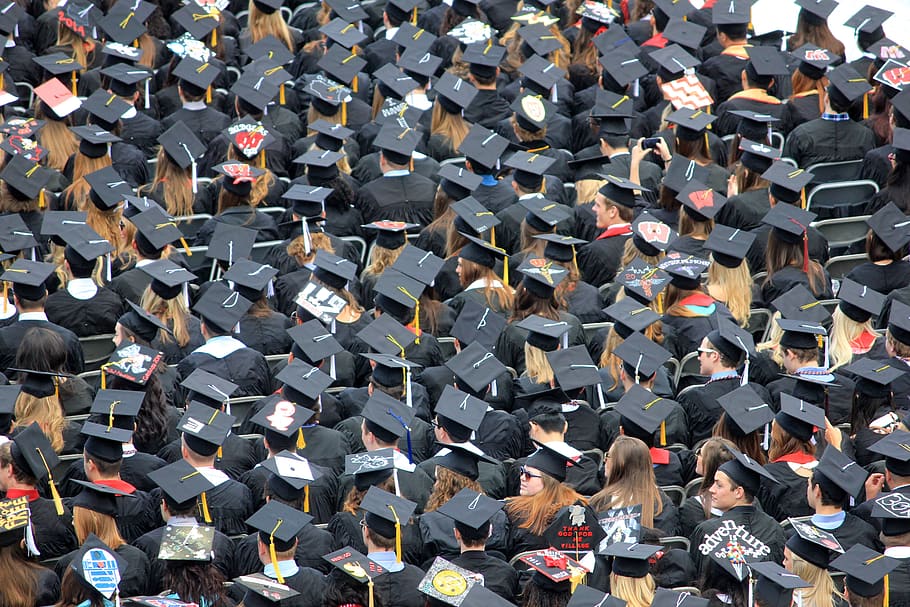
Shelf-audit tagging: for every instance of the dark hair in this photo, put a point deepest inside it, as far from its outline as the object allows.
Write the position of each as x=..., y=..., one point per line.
x=344, y=590
x=41, y=350
x=550, y=422
x=527, y=304
x=535, y=596
x=831, y=494
x=197, y=582
x=726, y=360
x=781, y=254
x=73, y=591
x=897, y=186
x=473, y=537
x=734, y=31
x=865, y=409
x=877, y=250
x=152, y=419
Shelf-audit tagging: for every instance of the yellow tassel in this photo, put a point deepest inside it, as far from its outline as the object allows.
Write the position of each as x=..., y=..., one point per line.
x=344, y=113
x=273, y=555
x=73, y=80
x=306, y=499
x=663, y=434
x=57, y=393
x=208, y=95
x=205, y=509
x=493, y=236
x=214, y=37
x=301, y=442
x=262, y=159
x=370, y=586
x=707, y=145
x=865, y=106
x=103, y=379
x=397, y=535
x=41, y=202
x=136, y=43
x=220, y=453
x=281, y=98
x=2, y=82
x=416, y=312
x=505, y=270
x=802, y=198
x=58, y=503
x=574, y=258
x=414, y=17
x=354, y=84
x=887, y=592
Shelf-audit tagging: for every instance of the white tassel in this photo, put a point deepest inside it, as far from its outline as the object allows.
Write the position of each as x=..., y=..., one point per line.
x=332, y=366
x=307, y=242
x=766, y=441
x=554, y=97
x=332, y=327
x=195, y=182
x=186, y=295
x=636, y=91
x=493, y=391
x=147, y=102
x=600, y=397
x=395, y=478
x=407, y=388
x=108, y=267
x=270, y=292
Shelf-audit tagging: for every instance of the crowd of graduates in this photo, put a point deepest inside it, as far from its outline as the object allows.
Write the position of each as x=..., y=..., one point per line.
x=459, y=302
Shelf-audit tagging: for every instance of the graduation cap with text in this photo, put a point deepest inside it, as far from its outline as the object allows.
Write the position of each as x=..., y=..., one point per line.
x=262, y=590
x=812, y=544
x=204, y=428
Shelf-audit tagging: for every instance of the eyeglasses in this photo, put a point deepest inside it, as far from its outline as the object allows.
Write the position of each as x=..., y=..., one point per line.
x=529, y=475
x=706, y=351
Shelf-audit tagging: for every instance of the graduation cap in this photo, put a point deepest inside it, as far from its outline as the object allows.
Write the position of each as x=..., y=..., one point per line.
x=167, y=278
x=687, y=34
x=80, y=17
x=631, y=560
x=574, y=529
x=552, y=458
x=422, y=266
x=800, y=304
x=476, y=367
x=470, y=509
x=459, y=413
x=642, y=356
x=303, y=383
x=765, y=62
x=15, y=522
x=99, y=567
x=668, y=598
x=747, y=410
x=28, y=278
x=108, y=188
x=356, y=565
x=898, y=321
x=387, y=336
x=231, y=242
x=553, y=570
x=617, y=42
x=330, y=136
x=623, y=70
x=342, y=63
x=560, y=247
x=94, y=141
x=737, y=12
x=478, y=323
x=390, y=234
x=387, y=417
x=896, y=449
x=597, y=12
x=419, y=64
x=261, y=590
x=222, y=308
x=291, y=475
x=813, y=60
x=187, y=543
x=125, y=21
x=396, y=142
x=539, y=37
x=757, y=157
x=249, y=137
x=32, y=453
x=483, y=253
x=866, y=570
x=393, y=82
x=802, y=334
x=272, y=49
x=673, y=61
x=454, y=95
x=684, y=270
x=732, y=341
x=156, y=230
x=124, y=77
x=278, y=525
x=891, y=225
x=674, y=9
x=846, y=475
x=133, y=362
x=483, y=148
x=691, y=124
x=391, y=371
x=641, y=409
x=84, y=247
x=483, y=58
x=630, y=315
x=619, y=190
x=641, y=282
x=255, y=90
x=238, y=177
x=321, y=164
x=386, y=514
x=540, y=76
x=199, y=22
x=345, y=34
x=181, y=483
x=472, y=217
x=859, y=302
x=746, y=471
x=728, y=245
x=471, y=31
x=532, y=112
x=789, y=223
x=249, y=278
x=682, y=171
x=819, y=8
x=399, y=295
x=700, y=202
x=315, y=341
x=874, y=377
x=544, y=333
x=208, y=388
x=26, y=178
x=775, y=585
x=197, y=74
x=115, y=420
x=650, y=235
x=58, y=64
x=204, y=428
x=868, y=19
x=799, y=418
x=885, y=49
x=10, y=15
x=543, y=214
x=573, y=368
x=812, y=544
x=529, y=168
x=463, y=458
x=348, y=10
x=847, y=85
x=97, y=498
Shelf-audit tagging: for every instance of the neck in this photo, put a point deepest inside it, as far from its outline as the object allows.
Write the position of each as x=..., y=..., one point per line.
x=549, y=437
x=827, y=510
x=469, y=549
x=200, y=462
x=727, y=43
x=14, y=484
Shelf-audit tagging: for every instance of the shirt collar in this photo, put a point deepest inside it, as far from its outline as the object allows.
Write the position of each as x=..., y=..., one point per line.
x=829, y=521
x=397, y=173
x=82, y=288
x=286, y=568
x=387, y=560
x=488, y=180
x=194, y=106
x=724, y=375
x=836, y=117
x=33, y=316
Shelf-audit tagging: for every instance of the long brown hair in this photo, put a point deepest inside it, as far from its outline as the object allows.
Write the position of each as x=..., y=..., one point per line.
x=19, y=577
x=11, y=204
x=452, y=127
x=811, y=29
x=803, y=84
x=56, y=137
x=262, y=184
x=630, y=480
x=319, y=241
x=76, y=194
x=784, y=443
x=471, y=271
x=780, y=255
x=714, y=452
x=750, y=443
x=176, y=185
x=355, y=495
x=262, y=25
x=87, y=521
x=448, y=483
x=538, y=510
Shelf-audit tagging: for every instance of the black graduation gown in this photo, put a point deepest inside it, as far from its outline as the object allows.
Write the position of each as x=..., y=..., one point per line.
x=787, y=497
x=245, y=367
x=237, y=455
x=415, y=486
x=12, y=335
x=509, y=348
x=438, y=537
x=312, y=543
x=496, y=197
x=206, y=124
x=799, y=110
x=322, y=495
x=691, y=515
x=54, y=535
x=885, y=278
x=150, y=544
x=85, y=317
x=599, y=259
x=827, y=141
x=141, y=131
x=399, y=589
x=754, y=100
x=408, y=198
x=768, y=544
x=677, y=428
x=130, y=285
x=492, y=477
x=746, y=210
x=244, y=216
x=726, y=69
x=840, y=396
x=173, y=352
x=787, y=278
x=267, y=335
x=48, y=587
x=135, y=578
x=689, y=331
x=487, y=109
x=498, y=575
x=703, y=410
x=818, y=247
x=855, y=530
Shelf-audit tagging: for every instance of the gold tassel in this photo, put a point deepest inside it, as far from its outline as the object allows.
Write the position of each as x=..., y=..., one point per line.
x=887, y=592
x=707, y=146
x=663, y=434
x=281, y=98
x=2, y=82
x=414, y=17
x=865, y=106
x=574, y=258
x=57, y=392
x=301, y=442
x=493, y=236
x=186, y=247
x=262, y=159
x=416, y=312
x=370, y=586
x=344, y=113
x=208, y=95
x=103, y=379
x=397, y=535
x=354, y=84
x=58, y=503
x=802, y=198
x=41, y=202
x=505, y=270
x=220, y=453
x=214, y=37
x=273, y=554
x=306, y=499
x=205, y=509
x=73, y=80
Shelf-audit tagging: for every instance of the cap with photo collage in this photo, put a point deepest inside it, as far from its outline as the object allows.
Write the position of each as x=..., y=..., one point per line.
x=745, y=471
x=866, y=570
x=26, y=179
x=813, y=545
x=483, y=58
x=747, y=410
x=478, y=323
x=168, y=279
x=475, y=368
x=641, y=356
x=774, y=585
x=278, y=525
x=642, y=413
x=208, y=389
x=32, y=453
x=874, y=377
x=261, y=590
x=483, y=149
x=187, y=543
x=386, y=514
x=787, y=183
x=799, y=418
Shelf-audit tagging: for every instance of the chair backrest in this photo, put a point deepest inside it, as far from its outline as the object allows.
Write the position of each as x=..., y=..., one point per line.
x=96, y=350
x=447, y=345
x=843, y=231
x=240, y=406
x=778, y=140
x=840, y=198
x=693, y=486
x=274, y=212
x=825, y=172
x=277, y=362
x=840, y=266
x=675, y=493
x=459, y=160
x=688, y=366
x=190, y=224
x=359, y=243
x=262, y=249
x=759, y=323
x=675, y=541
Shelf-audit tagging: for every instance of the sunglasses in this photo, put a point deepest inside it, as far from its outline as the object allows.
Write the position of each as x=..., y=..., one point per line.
x=525, y=474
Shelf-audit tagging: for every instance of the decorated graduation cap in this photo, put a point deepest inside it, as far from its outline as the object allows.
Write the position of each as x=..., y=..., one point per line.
x=28, y=278
x=728, y=245
x=532, y=112
x=15, y=523
x=238, y=177
x=483, y=148
x=554, y=571
x=641, y=356
x=812, y=544
x=891, y=508
x=278, y=525
x=282, y=418
x=874, y=377
x=631, y=560
x=858, y=302
x=204, y=428
x=684, y=270
x=541, y=277
x=700, y=202
x=650, y=235
x=356, y=565
x=475, y=367
x=261, y=590
x=386, y=513
x=187, y=543
x=641, y=282
x=799, y=418
x=222, y=308
x=839, y=475
x=390, y=234
x=642, y=413
x=866, y=570
x=32, y=453
x=553, y=459
x=896, y=449
x=99, y=567
x=746, y=472
x=813, y=60
x=775, y=585
x=478, y=323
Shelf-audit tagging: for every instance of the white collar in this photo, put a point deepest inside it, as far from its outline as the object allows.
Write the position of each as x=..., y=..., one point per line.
x=531, y=195
x=397, y=173
x=82, y=288
x=10, y=43
x=626, y=153
x=390, y=33
x=194, y=106
x=898, y=552
x=182, y=521
x=480, y=283
x=33, y=316
x=216, y=477
x=130, y=113
x=221, y=346
x=144, y=262
x=418, y=99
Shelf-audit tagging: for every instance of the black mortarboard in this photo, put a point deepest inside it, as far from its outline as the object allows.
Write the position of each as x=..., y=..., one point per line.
x=463, y=458
x=345, y=34
x=180, y=482
x=552, y=459
x=766, y=62
x=746, y=409
x=687, y=34
x=472, y=217
x=348, y=10
x=393, y=82
x=278, y=523
x=385, y=512
x=775, y=585
x=732, y=340
x=204, y=428
x=142, y=323
x=342, y=64
x=540, y=75
x=691, y=124
x=478, y=323
x=32, y=453
x=105, y=107
x=788, y=222
x=757, y=157
x=391, y=371
x=735, y=13
x=397, y=143
x=315, y=341
x=320, y=164
x=866, y=570
x=460, y=413
x=26, y=177
x=475, y=367
x=814, y=61
x=673, y=60
x=801, y=334
x=898, y=321
x=615, y=41
x=108, y=188
x=270, y=48
x=896, y=449
x=470, y=508
x=669, y=598
x=573, y=368
x=700, y=202
x=167, y=278
x=28, y=278
x=845, y=473
x=630, y=315
x=125, y=77
x=729, y=246
x=539, y=37
x=94, y=140
x=874, y=377
x=196, y=73
x=643, y=409
x=230, y=242
x=483, y=58
x=99, y=567
x=891, y=226
x=799, y=304
x=398, y=295
x=620, y=190
x=122, y=57
x=303, y=381
x=97, y=498
x=820, y=8
x=631, y=560
x=868, y=19
x=529, y=168
x=481, y=252
x=410, y=36
x=257, y=91
x=847, y=85
x=388, y=417
x=418, y=264
x=250, y=278
x=454, y=94
x=390, y=234
x=560, y=247
x=681, y=171
x=290, y=475
x=799, y=418
x=544, y=333
x=156, y=228
x=387, y=336
x=483, y=147
x=419, y=64
x=674, y=8
x=623, y=70
x=222, y=308
x=57, y=64
x=641, y=356
x=684, y=270
x=10, y=15
x=196, y=20
x=746, y=471
x=208, y=388
x=812, y=544
x=859, y=302
x=542, y=214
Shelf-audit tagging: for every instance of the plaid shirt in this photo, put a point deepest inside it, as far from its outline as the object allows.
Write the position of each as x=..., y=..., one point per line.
x=836, y=117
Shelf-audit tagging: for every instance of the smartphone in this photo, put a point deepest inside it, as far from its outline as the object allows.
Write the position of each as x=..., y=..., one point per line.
x=650, y=143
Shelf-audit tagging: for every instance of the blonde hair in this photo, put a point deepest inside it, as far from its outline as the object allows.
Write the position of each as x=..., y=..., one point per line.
x=822, y=591
x=262, y=184
x=67, y=37
x=262, y=25
x=610, y=361
x=586, y=190
x=772, y=344
x=630, y=253
x=636, y=592
x=320, y=241
x=451, y=126
x=87, y=521
x=176, y=186
x=76, y=194
x=843, y=331
x=383, y=258
x=107, y=224
x=733, y=287
x=59, y=141
x=537, y=365
x=313, y=115
x=47, y=412
x=173, y=310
